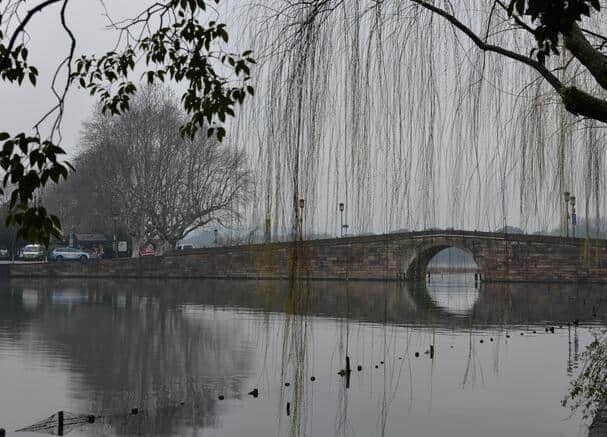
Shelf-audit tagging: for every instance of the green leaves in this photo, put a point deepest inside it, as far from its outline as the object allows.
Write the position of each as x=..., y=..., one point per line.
x=588, y=392
x=28, y=164
x=34, y=224
x=180, y=51
x=14, y=66
x=175, y=45
x=555, y=18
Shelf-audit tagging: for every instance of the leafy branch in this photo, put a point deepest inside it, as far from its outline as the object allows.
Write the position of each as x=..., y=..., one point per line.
x=175, y=44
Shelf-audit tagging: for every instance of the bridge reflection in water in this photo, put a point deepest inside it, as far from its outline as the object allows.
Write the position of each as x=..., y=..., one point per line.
x=154, y=344
x=448, y=302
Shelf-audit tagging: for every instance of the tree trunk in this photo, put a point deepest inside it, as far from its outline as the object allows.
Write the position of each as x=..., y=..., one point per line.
x=167, y=246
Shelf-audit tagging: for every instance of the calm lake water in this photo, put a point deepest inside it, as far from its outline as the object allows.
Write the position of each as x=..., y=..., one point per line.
x=171, y=348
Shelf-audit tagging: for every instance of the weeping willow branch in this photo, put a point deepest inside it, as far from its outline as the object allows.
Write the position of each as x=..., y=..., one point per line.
x=551, y=78
x=405, y=117
x=575, y=100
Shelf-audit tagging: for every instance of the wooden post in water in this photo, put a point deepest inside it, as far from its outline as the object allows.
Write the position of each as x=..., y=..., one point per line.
x=348, y=371
x=431, y=351
x=60, y=423
x=2, y=432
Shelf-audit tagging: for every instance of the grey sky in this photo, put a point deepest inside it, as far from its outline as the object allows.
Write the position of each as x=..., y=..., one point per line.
x=23, y=106
x=396, y=154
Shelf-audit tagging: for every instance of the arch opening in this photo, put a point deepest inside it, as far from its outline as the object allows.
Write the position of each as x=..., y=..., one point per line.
x=450, y=277
x=457, y=263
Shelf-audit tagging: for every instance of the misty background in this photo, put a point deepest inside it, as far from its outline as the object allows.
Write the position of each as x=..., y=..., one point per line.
x=376, y=105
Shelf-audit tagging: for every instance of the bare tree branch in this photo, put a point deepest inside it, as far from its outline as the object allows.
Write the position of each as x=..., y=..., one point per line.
x=576, y=101
x=21, y=28
x=551, y=78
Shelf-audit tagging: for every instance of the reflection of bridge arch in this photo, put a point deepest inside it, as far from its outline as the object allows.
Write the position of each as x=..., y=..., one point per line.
x=416, y=263
x=454, y=296
x=426, y=303
x=409, y=303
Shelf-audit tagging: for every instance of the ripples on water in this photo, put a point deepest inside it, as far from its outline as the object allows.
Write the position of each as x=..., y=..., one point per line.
x=172, y=348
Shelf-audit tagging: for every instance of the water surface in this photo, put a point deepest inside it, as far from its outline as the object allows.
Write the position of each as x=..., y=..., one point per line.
x=171, y=348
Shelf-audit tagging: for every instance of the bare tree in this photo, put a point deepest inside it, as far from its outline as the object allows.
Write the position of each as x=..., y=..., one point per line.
x=197, y=183
x=171, y=39
x=161, y=185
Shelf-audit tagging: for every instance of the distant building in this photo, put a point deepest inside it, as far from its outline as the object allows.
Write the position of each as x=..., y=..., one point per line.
x=89, y=241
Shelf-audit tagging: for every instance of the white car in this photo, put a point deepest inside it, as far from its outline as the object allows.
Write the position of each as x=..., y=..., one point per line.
x=33, y=252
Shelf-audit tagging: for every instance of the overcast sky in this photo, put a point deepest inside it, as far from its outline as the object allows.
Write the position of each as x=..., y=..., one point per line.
x=388, y=166
x=22, y=106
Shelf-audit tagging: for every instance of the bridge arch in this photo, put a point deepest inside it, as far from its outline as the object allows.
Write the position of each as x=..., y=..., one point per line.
x=416, y=260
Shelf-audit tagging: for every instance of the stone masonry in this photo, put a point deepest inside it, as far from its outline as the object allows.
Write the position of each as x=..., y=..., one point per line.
x=500, y=257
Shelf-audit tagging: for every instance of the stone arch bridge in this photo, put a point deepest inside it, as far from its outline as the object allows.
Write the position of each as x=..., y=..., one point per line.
x=398, y=256
x=499, y=257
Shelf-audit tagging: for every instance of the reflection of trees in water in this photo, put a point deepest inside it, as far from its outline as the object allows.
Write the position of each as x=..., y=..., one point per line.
x=373, y=301
x=296, y=356
x=573, y=352
x=144, y=351
x=342, y=423
x=474, y=369
x=14, y=313
x=161, y=350
x=302, y=301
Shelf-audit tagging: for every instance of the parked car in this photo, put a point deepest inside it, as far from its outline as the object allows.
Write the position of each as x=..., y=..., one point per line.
x=67, y=253
x=186, y=247
x=147, y=250
x=95, y=253
x=33, y=252
x=4, y=253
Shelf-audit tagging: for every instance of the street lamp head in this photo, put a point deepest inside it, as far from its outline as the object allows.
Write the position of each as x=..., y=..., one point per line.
x=567, y=195
x=301, y=203
x=341, y=207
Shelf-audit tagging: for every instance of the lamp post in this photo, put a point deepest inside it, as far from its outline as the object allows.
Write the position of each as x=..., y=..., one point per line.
x=344, y=227
x=215, y=233
x=341, y=210
x=301, y=207
x=573, y=216
x=267, y=234
x=567, y=197
x=115, y=242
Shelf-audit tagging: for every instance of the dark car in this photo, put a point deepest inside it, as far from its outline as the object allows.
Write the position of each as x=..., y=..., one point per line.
x=4, y=253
